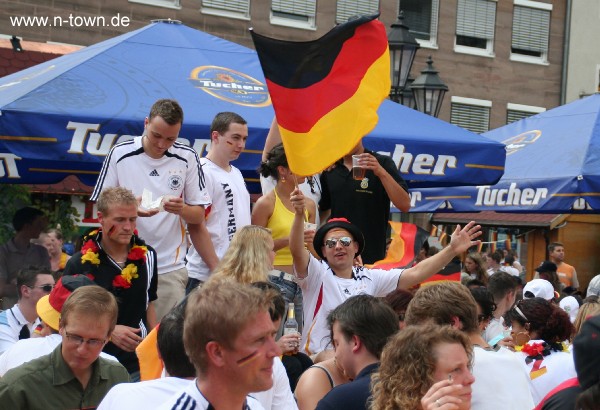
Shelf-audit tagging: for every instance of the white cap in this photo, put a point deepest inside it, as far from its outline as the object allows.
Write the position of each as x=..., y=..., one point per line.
x=540, y=288
x=571, y=306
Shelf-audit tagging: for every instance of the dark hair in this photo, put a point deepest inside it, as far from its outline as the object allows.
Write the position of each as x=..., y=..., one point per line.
x=551, y=323
x=589, y=399
x=497, y=256
x=509, y=259
x=554, y=245
x=170, y=343
x=275, y=158
x=485, y=301
x=28, y=275
x=475, y=283
x=399, y=300
x=278, y=305
x=223, y=120
x=500, y=284
x=25, y=216
x=367, y=317
x=442, y=302
x=168, y=110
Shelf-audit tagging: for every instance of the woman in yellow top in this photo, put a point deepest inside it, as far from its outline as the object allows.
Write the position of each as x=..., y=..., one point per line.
x=274, y=211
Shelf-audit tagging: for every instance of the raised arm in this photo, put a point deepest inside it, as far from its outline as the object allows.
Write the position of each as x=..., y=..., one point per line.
x=460, y=241
x=299, y=253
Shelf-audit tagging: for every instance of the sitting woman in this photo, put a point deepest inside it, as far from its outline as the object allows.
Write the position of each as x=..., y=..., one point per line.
x=539, y=329
x=317, y=381
x=424, y=367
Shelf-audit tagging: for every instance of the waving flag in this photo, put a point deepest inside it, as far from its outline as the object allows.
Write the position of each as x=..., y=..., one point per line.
x=326, y=92
x=407, y=241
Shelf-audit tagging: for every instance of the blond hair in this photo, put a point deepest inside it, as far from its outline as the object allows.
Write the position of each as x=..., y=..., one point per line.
x=587, y=310
x=218, y=312
x=247, y=258
x=115, y=195
x=408, y=363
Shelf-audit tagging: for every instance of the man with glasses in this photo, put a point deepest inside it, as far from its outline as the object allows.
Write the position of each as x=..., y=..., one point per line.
x=19, y=321
x=73, y=376
x=230, y=200
x=328, y=283
x=156, y=163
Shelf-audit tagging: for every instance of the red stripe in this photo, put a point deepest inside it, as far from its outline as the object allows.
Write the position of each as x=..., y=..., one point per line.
x=369, y=42
x=319, y=302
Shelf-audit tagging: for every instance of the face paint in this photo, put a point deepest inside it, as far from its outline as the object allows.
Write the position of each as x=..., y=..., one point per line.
x=229, y=142
x=245, y=360
x=111, y=230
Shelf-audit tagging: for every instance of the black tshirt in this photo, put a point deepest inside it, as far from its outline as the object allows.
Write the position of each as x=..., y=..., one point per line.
x=364, y=203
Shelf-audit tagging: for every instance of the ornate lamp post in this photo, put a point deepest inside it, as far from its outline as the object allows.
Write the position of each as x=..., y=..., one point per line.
x=403, y=47
x=429, y=90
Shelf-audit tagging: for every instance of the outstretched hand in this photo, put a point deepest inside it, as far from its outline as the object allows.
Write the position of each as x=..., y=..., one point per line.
x=463, y=239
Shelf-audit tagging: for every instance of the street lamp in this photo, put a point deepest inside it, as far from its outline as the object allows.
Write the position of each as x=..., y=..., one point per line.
x=429, y=90
x=407, y=97
x=403, y=47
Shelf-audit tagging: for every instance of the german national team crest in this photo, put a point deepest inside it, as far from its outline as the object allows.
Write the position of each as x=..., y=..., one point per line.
x=231, y=86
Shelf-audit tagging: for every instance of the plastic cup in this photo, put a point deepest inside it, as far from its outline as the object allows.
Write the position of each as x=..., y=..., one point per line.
x=358, y=173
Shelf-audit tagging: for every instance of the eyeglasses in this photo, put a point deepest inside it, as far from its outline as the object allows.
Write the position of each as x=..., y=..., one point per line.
x=344, y=240
x=78, y=340
x=45, y=288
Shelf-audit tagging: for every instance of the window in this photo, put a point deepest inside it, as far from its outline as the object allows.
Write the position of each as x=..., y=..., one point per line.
x=294, y=13
x=471, y=114
x=516, y=112
x=348, y=8
x=421, y=17
x=475, y=23
x=169, y=4
x=227, y=8
x=531, y=30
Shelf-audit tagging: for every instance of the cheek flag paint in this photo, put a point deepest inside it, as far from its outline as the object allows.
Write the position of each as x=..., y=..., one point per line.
x=326, y=92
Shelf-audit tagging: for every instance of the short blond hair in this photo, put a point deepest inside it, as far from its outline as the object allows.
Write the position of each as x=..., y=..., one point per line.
x=93, y=301
x=218, y=312
x=115, y=195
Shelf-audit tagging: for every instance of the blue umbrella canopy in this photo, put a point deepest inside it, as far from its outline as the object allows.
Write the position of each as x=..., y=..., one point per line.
x=552, y=166
x=62, y=117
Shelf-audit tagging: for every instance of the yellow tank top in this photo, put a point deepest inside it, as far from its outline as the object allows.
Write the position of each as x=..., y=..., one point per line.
x=280, y=224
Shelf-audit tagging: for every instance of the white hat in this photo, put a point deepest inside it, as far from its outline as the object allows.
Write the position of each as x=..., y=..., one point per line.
x=571, y=306
x=540, y=288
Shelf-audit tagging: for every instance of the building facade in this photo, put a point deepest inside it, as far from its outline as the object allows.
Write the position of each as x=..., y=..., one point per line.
x=502, y=60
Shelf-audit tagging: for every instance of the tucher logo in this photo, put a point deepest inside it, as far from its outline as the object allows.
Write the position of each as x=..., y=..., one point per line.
x=231, y=86
x=520, y=141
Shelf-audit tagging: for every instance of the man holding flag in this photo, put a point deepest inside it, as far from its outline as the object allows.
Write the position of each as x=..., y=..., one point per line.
x=329, y=282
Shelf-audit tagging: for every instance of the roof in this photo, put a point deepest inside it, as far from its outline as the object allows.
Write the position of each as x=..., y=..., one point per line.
x=33, y=53
x=491, y=218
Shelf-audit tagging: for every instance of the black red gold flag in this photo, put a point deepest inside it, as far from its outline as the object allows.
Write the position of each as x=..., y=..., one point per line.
x=326, y=92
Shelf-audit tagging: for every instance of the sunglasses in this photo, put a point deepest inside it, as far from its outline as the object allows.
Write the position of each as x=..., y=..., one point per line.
x=344, y=240
x=45, y=288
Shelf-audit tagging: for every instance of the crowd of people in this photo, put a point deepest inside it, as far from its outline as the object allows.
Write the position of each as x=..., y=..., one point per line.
x=179, y=298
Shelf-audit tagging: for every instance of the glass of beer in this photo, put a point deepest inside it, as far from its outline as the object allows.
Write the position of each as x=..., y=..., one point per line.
x=358, y=173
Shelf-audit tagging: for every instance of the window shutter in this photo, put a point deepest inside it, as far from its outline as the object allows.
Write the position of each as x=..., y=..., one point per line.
x=531, y=29
x=417, y=16
x=298, y=7
x=238, y=6
x=470, y=117
x=476, y=18
x=513, y=115
x=349, y=8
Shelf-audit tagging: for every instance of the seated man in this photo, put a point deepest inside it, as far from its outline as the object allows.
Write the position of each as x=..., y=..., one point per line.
x=360, y=328
x=327, y=283
x=72, y=376
x=19, y=321
x=229, y=337
x=49, y=309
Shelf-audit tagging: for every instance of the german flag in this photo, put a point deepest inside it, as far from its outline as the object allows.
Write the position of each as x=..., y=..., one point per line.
x=326, y=92
x=451, y=272
x=406, y=243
